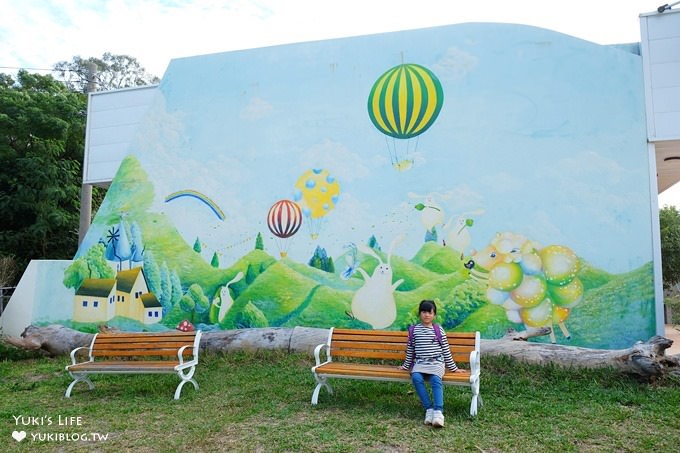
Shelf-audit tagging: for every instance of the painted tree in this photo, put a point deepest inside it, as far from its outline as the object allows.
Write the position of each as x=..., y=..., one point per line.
x=136, y=244
x=250, y=317
x=118, y=246
x=251, y=274
x=165, y=297
x=373, y=243
x=187, y=304
x=431, y=235
x=259, y=243
x=152, y=272
x=176, y=288
x=92, y=265
x=321, y=260
x=196, y=303
x=197, y=246
x=215, y=261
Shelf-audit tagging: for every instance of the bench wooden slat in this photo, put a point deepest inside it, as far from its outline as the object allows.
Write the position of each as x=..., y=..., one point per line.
x=140, y=353
x=130, y=366
x=369, y=354
x=357, y=369
x=343, y=344
x=147, y=335
x=151, y=339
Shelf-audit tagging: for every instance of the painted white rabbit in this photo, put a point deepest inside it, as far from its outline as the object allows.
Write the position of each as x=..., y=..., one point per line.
x=374, y=303
x=431, y=212
x=225, y=297
x=458, y=237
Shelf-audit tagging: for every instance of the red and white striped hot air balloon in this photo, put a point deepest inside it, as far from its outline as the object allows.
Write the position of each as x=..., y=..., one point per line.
x=284, y=220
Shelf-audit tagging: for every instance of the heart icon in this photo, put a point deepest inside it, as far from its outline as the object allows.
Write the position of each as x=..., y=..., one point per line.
x=19, y=435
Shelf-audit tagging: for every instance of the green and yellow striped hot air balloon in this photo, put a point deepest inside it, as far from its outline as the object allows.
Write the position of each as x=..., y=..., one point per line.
x=404, y=102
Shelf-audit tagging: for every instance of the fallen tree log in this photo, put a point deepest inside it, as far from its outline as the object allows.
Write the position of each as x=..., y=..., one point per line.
x=647, y=360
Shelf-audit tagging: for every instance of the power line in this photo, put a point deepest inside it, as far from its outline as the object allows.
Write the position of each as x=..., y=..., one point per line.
x=28, y=69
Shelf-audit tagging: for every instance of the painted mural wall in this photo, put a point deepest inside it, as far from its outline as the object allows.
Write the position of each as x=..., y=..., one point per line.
x=499, y=169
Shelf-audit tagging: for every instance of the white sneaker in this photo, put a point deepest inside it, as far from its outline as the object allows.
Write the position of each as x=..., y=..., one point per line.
x=437, y=419
x=428, y=416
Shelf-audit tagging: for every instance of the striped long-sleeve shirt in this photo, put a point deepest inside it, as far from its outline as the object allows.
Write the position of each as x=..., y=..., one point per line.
x=426, y=347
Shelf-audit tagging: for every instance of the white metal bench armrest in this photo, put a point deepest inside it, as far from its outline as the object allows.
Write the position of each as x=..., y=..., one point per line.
x=327, y=347
x=180, y=354
x=317, y=353
x=474, y=366
x=74, y=361
x=89, y=348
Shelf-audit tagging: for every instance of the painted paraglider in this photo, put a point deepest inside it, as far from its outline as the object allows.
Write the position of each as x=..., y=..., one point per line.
x=284, y=220
x=318, y=192
x=403, y=103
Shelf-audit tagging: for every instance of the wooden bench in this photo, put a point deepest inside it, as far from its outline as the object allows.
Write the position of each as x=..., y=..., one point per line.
x=359, y=350
x=138, y=353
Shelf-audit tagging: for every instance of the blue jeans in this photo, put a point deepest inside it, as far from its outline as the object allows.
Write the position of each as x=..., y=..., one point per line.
x=418, y=380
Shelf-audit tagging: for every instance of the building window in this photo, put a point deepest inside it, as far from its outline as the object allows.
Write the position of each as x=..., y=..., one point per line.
x=118, y=298
x=84, y=303
x=95, y=304
x=155, y=314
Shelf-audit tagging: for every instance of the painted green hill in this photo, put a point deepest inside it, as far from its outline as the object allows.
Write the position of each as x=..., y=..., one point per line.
x=609, y=315
x=439, y=259
x=592, y=277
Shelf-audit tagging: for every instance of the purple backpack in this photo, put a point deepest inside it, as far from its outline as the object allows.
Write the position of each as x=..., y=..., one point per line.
x=437, y=334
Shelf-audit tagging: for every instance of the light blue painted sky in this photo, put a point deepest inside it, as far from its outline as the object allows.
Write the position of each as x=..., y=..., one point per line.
x=242, y=126
x=40, y=33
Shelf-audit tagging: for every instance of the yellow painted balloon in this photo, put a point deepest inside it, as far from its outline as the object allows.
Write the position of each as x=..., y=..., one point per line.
x=530, y=292
x=318, y=192
x=538, y=316
x=568, y=295
x=559, y=314
x=505, y=276
x=560, y=264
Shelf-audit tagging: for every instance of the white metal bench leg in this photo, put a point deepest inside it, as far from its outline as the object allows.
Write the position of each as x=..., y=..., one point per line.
x=185, y=377
x=181, y=384
x=78, y=378
x=321, y=382
x=475, y=398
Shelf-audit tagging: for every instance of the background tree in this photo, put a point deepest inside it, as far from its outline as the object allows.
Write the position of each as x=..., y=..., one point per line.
x=112, y=72
x=8, y=271
x=42, y=135
x=259, y=243
x=669, y=220
x=215, y=261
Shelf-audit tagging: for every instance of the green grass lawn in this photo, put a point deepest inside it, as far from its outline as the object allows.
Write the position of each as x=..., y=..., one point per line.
x=261, y=402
